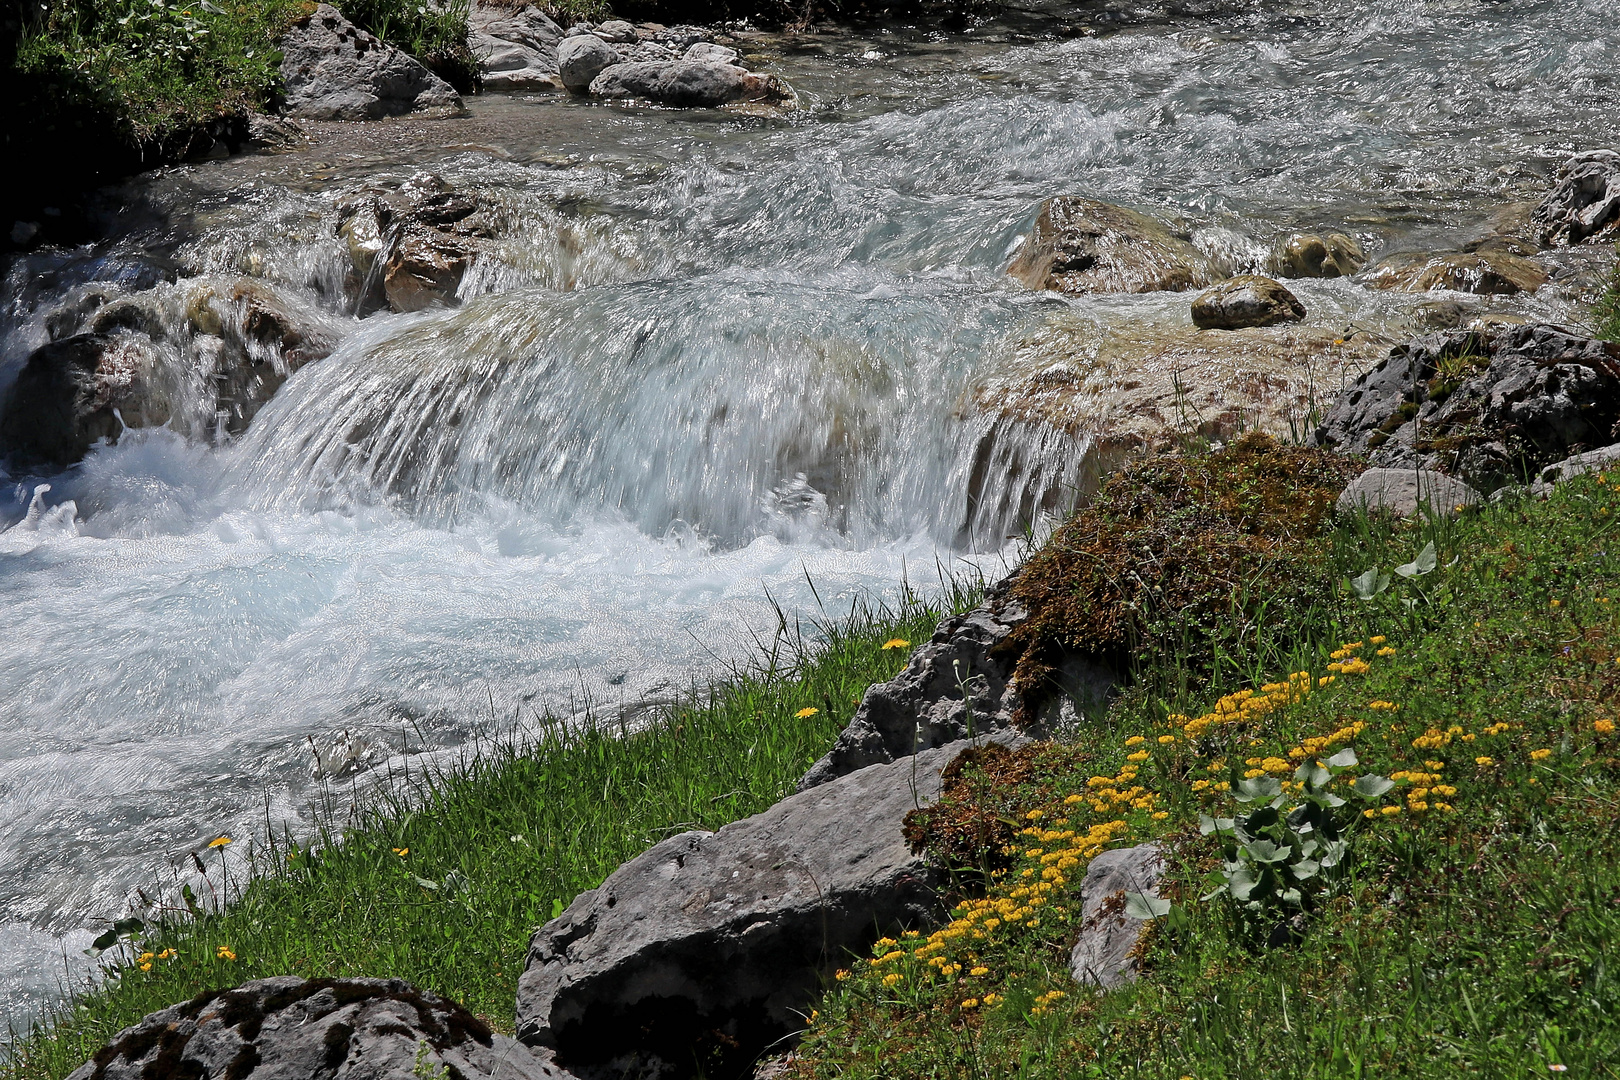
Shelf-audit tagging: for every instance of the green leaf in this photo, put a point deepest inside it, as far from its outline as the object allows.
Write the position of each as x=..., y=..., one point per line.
x=1264, y=851
x=1261, y=787
x=1145, y=907
x=1425, y=562
x=1343, y=759
x=1369, y=584
x=1333, y=852
x=1305, y=869
x=556, y=908
x=1372, y=787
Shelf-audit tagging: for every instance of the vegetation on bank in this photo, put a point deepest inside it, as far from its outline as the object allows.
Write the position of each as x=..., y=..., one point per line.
x=442, y=879
x=1606, y=315
x=1446, y=902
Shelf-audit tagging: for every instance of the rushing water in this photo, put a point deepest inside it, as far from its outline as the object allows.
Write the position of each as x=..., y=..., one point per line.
x=711, y=359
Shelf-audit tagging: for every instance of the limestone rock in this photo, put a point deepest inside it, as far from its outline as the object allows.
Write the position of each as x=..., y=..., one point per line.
x=581, y=58
x=320, y=1029
x=333, y=70
x=1309, y=255
x=1584, y=204
x=617, y=32
x=1606, y=457
x=425, y=269
x=1492, y=407
x=1402, y=492
x=707, y=52
x=516, y=50
x=1243, y=301
x=711, y=946
x=1490, y=272
x=688, y=84
x=1103, y=957
x=1081, y=245
x=272, y=134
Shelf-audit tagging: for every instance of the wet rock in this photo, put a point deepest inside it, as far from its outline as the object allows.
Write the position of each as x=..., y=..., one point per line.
x=515, y=50
x=1310, y=255
x=956, y=685
x=272, y=134
x=70, y=393
x=645, y=52
x=688, y=84
x=707, y=52
x=709, y=947
x=1487, y=272
x=1243, y=301
x=1606, y=457
x=1403, y=492
x=333, y=70
x=1491, y=407
x=411, y=247
x=264, y=339
x=425, y=269
x=1105, y=955
x=1084, y=246
x=581, y=58
x=319, y=1029
x=617, y=32
x=1584, y=204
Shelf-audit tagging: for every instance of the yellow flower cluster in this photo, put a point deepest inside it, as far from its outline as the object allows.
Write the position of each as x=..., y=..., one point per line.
x=1434, y=738
x=1045, y=1001
x=144, y=961
x=1603, y=727
x=1108, y=792
x=1248, y=705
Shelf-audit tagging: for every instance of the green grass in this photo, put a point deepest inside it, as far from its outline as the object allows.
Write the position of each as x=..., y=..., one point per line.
x=442, y=879
x=1606, y=315
x=1475, y=930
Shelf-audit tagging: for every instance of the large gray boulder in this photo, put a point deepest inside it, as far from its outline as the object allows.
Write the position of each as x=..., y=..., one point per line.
x=288, y=1028
x=515, y=50
x=1584, y=204
x=1492, y=408
x=581, y=58
x=688, y=84
x=956, y=685
x=1402, y=492
x=1104, y=957
x=708, y=947
x=1248, y=300
x=1084, y=246
x=1606, y=457
x=333, y=70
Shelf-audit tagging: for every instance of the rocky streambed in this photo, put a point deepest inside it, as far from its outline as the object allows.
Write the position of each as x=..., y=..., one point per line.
x=531, y=397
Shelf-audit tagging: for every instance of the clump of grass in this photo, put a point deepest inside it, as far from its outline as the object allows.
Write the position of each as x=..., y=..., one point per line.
x=1606, y=315
x=1473, y=929
x=441, y=879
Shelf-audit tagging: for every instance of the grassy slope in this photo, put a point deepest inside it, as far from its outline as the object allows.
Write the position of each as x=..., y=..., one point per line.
x=442, y=882
x=1475, y=933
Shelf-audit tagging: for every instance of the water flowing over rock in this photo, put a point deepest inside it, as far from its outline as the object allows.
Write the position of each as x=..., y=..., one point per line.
x=1488, y=271
x=581, y=58
x=1490, y=407
x=334, y=70
x=1246, y=301
x=516, y=50
x=1584, y=204
x=1309, y=255
x=320, y=1029
x=1084, y=246
x=688, y=84
x=411, y=247
x=709, y=947
x=1105, y=955
x=1403, y=492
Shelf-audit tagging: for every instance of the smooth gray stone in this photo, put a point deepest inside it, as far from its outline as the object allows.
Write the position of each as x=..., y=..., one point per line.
x=581, y=58
x=334, y=70
x=288, y=1028
x=515, y=50
x=686, y=84
x=1402, y=491
x=1556, y=473
x=1102, y=956
x=720, y=942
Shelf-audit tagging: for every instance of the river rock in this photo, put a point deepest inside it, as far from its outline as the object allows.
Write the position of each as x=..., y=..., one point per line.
x=410, y=247
x=1247, y=300
x=581, y=58
x=1105, y=955
x=1402, y=492
x=1081, y=245
x=709, y=947
x=707, y=52
x=425, y=269
x=515, y=50
x=1491, y=407
x=287, y=1028
x=1491, y=272
x=688, y=84
x=1310, y=255
x=333, y=70
x=1584, y=204
x=617, y=32
x=1606, y=457
x=70, y=394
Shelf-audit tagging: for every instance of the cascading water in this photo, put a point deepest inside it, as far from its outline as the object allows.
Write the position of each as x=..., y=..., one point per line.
x=700, y=362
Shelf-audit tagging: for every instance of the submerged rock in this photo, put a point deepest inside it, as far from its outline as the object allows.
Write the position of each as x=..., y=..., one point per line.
x=1403, y=492
x=1584, y=204
x=1243, y=301
x=1105, y=956
x=1490, y=407
x=1488, y=271
x=1084, y=246
x=1309, y=255
x=581, y=58
x=317, y=1029
x=410, y=247
x=708, y=948
x=70, y=394
x=333, y=70
x=688, y=84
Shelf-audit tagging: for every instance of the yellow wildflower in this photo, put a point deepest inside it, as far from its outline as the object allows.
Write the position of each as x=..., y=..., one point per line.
x=402, y=851
x=1603, y=727
x=1539, y=755
x=807, y=712
x=224, y=952
x=219, y=841
x=892, y=977
x=1135, y=740
x=896, y=643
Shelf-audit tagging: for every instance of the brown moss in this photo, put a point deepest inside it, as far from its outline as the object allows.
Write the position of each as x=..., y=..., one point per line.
x=1176, y=552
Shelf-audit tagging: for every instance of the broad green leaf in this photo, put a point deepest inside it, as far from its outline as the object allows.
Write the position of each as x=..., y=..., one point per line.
x=1372, y=787
x=1264, y=851
x=1305, y=869
x=1425, y=562
x=1369, y=584
x=1261, y=787
x=1145, y=907
x=1343, y=759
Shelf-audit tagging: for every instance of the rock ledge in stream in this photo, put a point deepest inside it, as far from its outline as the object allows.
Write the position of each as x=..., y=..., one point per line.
x=708, y=947
x=1584, y=204
x=320, y=1029
x=924, y=706
x=334, y=70
x=1081, y=245
x=688, y=84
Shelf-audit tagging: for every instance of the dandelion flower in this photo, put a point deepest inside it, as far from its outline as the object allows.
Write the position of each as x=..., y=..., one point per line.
x=224, y=952
x=807, y=712
x=1540, y=755
x=896, y=643
x=219, y=841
